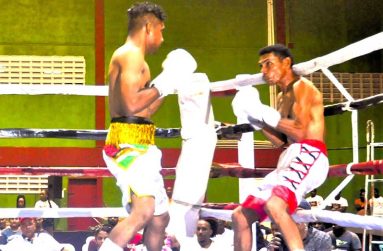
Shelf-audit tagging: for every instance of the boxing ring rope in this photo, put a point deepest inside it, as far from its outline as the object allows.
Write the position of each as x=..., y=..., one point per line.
x=343, y=219
x=217, y=170
x=85, y=134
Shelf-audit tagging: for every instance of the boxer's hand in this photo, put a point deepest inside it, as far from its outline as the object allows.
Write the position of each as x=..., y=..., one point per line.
x=247, y=98
x=246, y=104
x=178, y=66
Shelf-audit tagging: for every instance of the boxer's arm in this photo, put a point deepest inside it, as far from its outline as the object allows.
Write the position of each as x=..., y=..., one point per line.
x=154, y=106
x=276, y=138
x=134, y=99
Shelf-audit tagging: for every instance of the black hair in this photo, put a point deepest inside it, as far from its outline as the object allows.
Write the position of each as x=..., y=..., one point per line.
x=106, y=228
x=279, y=50
x=213, y=225
x=140, y=12
x=20, y=196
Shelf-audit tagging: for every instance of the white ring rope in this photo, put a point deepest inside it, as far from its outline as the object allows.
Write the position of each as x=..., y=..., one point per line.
x=351, y=51
x=342, y=219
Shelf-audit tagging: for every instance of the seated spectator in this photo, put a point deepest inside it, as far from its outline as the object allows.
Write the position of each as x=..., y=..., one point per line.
x=314, y=199
x=112, y=221
x=12, y=229
x=206, y=230
x=39, y=226
x=203, y=240
x=343, y=239
x=3, y=225
x=20, y=201
x=376, y=203
x=101, y=234
x=224, y=233
x=30, y=240
x=338, y=204
x=360, y=202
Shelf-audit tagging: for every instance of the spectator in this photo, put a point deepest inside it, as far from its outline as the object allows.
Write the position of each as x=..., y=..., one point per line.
x=376, y=203
x=338, y=204
x=314, y=199
x=13, y=229
x=39, y=226
x=224, y=234
x=206, y=230
x=20, y=201
x=3, y=225
x=343, y=239
x=360, y=202
x=112, y=221
x=46, y=202
x=30, y=240
x=101, y=234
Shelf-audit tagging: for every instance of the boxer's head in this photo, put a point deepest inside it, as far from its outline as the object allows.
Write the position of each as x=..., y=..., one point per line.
x=150, y=18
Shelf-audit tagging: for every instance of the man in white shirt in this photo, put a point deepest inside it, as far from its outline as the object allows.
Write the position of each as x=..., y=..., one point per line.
x=204, y=238
x=32, y=241
x=338, y=204
x=314, y=199
x=46, y=202
x=376, y=204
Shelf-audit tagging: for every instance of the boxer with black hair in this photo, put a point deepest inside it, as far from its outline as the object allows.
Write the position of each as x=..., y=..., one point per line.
x=298, y=124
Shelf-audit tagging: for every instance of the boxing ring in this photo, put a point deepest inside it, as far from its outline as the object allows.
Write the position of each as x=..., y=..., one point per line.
x=244, y=169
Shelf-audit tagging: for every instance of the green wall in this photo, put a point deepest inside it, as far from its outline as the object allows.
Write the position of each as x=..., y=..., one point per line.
x=223, y=35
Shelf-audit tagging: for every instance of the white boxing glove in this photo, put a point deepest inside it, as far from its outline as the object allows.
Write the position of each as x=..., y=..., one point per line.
x=178, y=66
x=246, y=98
x=270, y=116
x=247, y=105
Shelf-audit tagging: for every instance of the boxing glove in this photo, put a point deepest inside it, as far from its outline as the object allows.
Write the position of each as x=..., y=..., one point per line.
x=247, y=105
x=246, y=98
x=177, y=67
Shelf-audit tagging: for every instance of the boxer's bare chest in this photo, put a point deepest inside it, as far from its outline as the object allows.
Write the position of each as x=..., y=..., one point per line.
x=285, y=103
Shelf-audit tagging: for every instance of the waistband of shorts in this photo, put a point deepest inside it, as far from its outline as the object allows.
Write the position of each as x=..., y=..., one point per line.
x=132, y=120
x=317, y=144
x=129, y=133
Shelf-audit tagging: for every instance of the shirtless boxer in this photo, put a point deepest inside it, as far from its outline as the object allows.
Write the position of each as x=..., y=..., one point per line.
x=297, y=123
x=129, y=151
